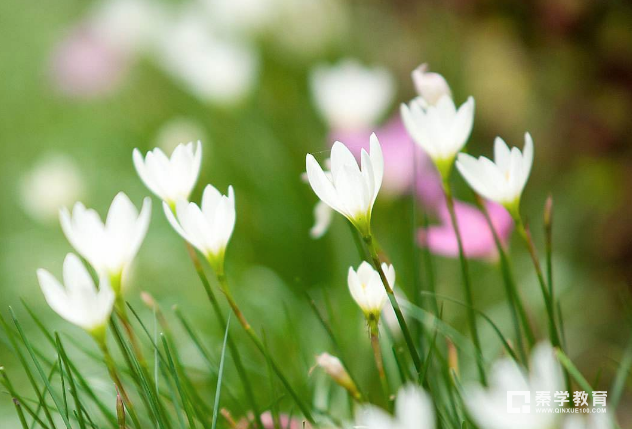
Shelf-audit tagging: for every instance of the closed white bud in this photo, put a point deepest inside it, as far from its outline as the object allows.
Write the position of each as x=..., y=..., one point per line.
x=367, y=289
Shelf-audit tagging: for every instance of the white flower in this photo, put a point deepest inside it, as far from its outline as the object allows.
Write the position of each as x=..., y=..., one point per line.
x=430, y=86
x=441, y=130
x=350, y=96
x=503, y=179
x=488, y=406
x=171, y=179
x=111, y=246
x=215, y=69
x=54, y=182
x=207, y=228
x=79, y=302
x=367, y=289
x=413, y=410
x=594, y=421
x=350, y=190
x=336, y=370
x=322, y=216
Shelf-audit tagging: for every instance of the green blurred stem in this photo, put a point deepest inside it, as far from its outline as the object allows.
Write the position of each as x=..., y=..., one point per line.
x=377, y=354
x=515, y=300
x=370, y=244
x=114, y=375
x=465, y=271
x=548, y=302
x=231, y=345
x=218, y=267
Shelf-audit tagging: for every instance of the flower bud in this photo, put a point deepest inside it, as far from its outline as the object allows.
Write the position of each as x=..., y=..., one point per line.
x=334, y=368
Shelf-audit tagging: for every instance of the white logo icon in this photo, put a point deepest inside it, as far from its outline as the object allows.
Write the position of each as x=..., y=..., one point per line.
x=525, y=394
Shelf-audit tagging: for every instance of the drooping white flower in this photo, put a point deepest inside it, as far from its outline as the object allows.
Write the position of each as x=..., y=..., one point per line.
x=336, y=370
x=441, y=130
x=109, y=247
x=489, y=406
x=430, y=86
x=79, y=302
x=367, y=289
x=349, y=189
x=208, y=227
x=350, y=96
x=171, y=179
x=503, y=179
x=54, y=182
x=413, y=410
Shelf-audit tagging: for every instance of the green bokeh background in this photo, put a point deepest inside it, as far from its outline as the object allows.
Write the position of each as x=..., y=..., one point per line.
x=561, y=69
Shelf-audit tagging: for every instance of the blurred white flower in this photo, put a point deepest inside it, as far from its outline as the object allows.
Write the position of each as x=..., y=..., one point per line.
x=413, y=410
x=129, y=25
x=109, y=247
x=350, y=96
x=207, y=228
x=247, y=17
x=79, y=302
x=322, y=216
x=503, y=179
x=215, y=69
x=594, y=421
x=441, y=130
x=430, y=86
x=177, y=130
x=367, y=289
x=54, y=182
x=334, y=368
x=171, y=179
x=349, y=189
x=488, y=405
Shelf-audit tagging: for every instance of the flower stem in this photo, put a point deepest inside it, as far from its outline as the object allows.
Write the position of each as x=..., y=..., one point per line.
x=515, y=300
x=370, y=244
x=109, y=362
x=526, y=236
x=377, y=354
x=223, y=283
x=465, y=271
x=231, y=345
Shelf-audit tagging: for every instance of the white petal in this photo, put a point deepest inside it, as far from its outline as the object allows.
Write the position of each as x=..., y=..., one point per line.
x=323, y=216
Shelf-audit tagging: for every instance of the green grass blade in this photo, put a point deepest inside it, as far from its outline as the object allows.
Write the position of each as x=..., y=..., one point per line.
x=73, y=388
x=218, y=391
x=174, y=373
x=621, y=376
x=574, y=372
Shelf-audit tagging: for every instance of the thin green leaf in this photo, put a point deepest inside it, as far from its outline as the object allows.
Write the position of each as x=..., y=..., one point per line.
x=220, y=377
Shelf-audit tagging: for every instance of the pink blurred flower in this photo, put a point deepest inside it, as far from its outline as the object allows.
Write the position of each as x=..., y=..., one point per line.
x=478, y=241
x=284, y=420
x=84, y=65
x=398, y=150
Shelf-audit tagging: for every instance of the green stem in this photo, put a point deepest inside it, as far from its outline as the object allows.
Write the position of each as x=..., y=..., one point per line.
x=234, y=351
x=379, y=362
x=109, y=362
x=526, y=236
x=469, y=298
x=370, y=244
x=223, y=283
x=515, y=300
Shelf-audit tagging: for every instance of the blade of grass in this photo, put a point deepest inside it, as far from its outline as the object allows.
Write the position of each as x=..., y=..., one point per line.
x=73, y=388
x=9, y=386
x=622, y=374
x=174, y=373
x=574, y=372
x=39, y=368
x=218, y=391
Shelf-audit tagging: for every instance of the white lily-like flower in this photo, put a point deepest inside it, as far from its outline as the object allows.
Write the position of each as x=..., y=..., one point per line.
x=503, y=179
x=413, y=410
x=430, y=86
x=79, y=302
x=109, y=247
x=367, y=289
x=171, y=179
x=440, y=129
x=489, y=406
x=349, y=189
x=351, y=96
x=209, y=227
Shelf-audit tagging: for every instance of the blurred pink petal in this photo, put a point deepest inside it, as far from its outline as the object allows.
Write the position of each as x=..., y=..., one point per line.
x=398, y=149
x=84, y=65
x=478, y=241
x=285, y=421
